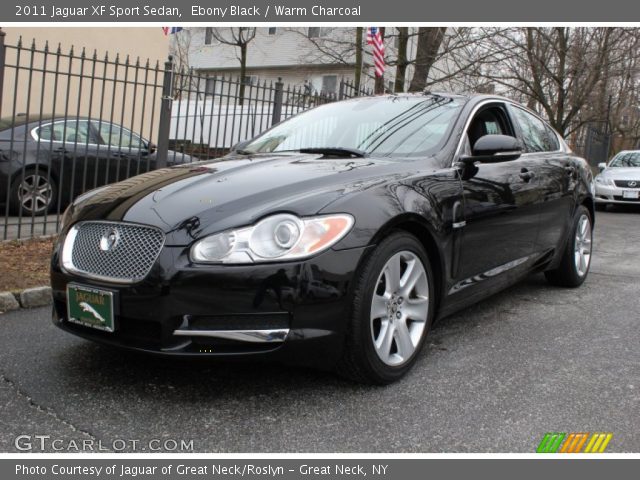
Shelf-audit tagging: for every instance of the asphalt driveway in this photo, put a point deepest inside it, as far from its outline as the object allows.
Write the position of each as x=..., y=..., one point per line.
x=494, y=378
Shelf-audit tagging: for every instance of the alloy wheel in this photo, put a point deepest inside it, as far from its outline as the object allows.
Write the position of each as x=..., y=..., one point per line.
x=399, y=308
x=35, y=193
x=582, y=245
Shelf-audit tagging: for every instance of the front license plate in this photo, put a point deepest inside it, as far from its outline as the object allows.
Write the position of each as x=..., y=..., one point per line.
x=630, y=194
x=90, y=307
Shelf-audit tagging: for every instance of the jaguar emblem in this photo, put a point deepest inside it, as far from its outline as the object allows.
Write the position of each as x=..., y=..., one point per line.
x=110, y=240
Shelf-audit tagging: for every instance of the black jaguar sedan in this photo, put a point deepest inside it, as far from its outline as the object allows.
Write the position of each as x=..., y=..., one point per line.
x=334, y=239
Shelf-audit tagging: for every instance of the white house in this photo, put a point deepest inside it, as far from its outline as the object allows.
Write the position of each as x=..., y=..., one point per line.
x=315, y=57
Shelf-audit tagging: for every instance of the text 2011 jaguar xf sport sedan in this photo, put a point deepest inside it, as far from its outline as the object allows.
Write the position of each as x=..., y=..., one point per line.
x=334, y=239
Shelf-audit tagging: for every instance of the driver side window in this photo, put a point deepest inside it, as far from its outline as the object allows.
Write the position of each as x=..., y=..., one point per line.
x=491, y=120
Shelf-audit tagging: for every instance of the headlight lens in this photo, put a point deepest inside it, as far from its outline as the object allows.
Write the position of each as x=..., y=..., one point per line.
x=605, y=180
x=278, y=237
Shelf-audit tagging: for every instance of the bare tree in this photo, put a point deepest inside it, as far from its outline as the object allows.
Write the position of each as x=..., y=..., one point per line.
x=239, y=37
x=357, y=70
x=429, y=42
x=402, y=61
x=562, y=72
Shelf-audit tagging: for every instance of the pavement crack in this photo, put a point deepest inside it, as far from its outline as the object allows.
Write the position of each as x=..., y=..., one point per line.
x=43, y=409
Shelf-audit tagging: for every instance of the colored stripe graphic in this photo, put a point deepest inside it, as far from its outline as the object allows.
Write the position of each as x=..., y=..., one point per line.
x=550, y=443
x=573, y=442
x=598, y=443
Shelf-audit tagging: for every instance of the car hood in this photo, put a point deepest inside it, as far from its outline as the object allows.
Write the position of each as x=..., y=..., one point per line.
x=622, y=173
x=191, y=201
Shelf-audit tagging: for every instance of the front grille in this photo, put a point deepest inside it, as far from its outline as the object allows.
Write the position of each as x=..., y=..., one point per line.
x=627, y=183
x=111, y=251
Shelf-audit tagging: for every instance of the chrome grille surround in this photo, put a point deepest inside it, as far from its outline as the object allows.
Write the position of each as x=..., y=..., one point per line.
x=134, y=250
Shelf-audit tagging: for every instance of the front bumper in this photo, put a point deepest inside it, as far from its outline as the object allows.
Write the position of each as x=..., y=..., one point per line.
x=294, y=312
x=615, y=195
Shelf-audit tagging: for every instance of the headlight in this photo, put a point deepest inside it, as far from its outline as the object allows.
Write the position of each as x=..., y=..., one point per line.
x=605, y=181
x=278, y=237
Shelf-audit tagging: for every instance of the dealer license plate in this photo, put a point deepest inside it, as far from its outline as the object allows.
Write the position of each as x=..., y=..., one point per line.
x=90, y=307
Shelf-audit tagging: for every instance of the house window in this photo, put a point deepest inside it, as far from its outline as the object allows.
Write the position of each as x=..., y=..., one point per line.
x=329, y=83
x=249, y=79
x=208, y=35
x=272, y=30
x=318, y=32
x=210, y=86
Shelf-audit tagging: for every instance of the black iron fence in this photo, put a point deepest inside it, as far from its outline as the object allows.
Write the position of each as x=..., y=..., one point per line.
x=73, y=120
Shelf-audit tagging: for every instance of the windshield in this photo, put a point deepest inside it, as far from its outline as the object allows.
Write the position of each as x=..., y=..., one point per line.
x=387, y=126
x=626, y=159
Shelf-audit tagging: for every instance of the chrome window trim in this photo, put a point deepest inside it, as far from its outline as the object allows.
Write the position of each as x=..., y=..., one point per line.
x=483, y=103
x=36, y=137
x=66, y=260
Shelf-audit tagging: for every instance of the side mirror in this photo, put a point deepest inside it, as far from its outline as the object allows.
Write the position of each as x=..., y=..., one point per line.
x=496, y=148
x=238, y=147
x=602, y=166
x=152, y=147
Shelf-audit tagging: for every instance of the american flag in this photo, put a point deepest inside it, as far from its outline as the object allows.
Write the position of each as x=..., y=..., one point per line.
x=374, y=37
x=170, y=30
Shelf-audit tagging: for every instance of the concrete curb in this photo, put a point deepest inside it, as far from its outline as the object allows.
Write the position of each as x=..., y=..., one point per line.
x=27, y=298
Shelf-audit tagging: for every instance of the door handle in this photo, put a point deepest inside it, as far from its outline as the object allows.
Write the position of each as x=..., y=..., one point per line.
x=526, y=175
x=61, y=150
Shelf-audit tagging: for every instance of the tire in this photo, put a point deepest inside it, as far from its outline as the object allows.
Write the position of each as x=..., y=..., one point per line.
x=576, y=257
x=386, y=313
x=43, y=189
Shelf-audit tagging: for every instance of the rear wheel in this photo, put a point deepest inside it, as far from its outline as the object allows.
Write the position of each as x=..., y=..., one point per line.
x=392, y=312
x=33, y=193
x=576, y=258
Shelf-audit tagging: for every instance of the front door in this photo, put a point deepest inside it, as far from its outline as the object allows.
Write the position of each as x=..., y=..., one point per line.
x=501, y=206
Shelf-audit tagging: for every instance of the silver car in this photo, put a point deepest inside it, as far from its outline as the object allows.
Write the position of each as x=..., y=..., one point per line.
x=619, y=181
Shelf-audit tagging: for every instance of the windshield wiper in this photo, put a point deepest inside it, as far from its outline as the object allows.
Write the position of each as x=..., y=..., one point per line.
x=335, y=151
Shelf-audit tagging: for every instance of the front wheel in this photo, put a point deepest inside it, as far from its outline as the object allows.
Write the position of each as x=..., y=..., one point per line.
x=576, y=258
x=392, y=311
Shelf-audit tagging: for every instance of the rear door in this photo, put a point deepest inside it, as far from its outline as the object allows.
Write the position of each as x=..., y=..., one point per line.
x=501, y=205
x=556, y=177
x=73, y=149
x=123, y=153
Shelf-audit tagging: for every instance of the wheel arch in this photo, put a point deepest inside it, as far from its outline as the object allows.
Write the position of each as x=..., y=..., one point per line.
x=417, y=226
x=590, y=205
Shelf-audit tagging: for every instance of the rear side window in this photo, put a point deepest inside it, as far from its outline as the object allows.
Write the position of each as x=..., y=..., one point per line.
x=72, y=131
x=536, y=135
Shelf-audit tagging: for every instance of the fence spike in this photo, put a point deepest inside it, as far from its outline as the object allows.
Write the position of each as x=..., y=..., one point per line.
x=46, y=46
x=33, y=45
